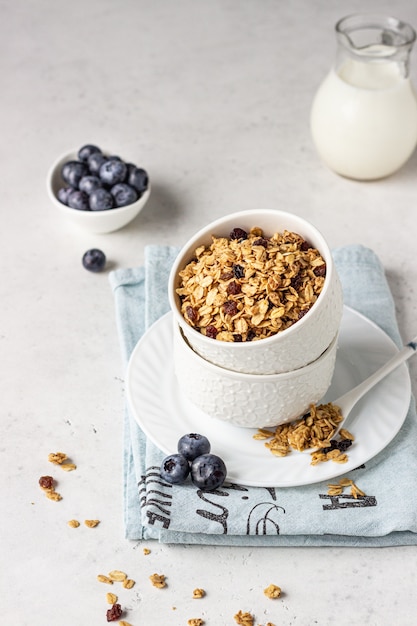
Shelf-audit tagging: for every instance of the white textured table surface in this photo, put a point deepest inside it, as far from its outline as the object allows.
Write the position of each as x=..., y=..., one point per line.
x=213, y=98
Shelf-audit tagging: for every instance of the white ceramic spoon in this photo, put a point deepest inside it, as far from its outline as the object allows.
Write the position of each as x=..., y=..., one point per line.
x=347, y=401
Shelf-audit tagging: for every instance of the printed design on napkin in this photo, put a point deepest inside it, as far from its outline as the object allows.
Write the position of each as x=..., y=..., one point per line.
x=158, y=499
x=346, y=501
x=154, y=499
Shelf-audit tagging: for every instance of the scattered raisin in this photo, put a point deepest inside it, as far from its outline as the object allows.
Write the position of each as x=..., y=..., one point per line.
x=114, y=613
x=191, y=313
x=233, y=288
x=230, y=308
x=211, y=331
x=238, y=233
x=46, y=482
x=320, y=270
x=238, y=271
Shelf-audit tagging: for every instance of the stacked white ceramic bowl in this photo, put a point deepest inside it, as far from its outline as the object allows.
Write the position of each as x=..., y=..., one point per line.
x=268, y=381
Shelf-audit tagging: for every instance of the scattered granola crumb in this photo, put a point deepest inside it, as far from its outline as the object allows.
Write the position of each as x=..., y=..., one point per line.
x=117, y=575
x=338, y=488
x=91, y=523
x=244, y=619
x=195, y=621
x=73, y=523
x=123, y=623
x=334, y=490
x=128, y=583
x=47, y=484
x=355, y=491
x=104, y=579
x=199, y=593
x=57, y=458
x=158, y=580
x=53, y=495
x=68, y=467
x=146, y=551
x=111, y=598
x=272, y=592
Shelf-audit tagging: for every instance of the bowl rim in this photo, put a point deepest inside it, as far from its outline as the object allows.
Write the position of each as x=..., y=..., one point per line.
x=184, y=346
x=179, y=263
x=54, y=172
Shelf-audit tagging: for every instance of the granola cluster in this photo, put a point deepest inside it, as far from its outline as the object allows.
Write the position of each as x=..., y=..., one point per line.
x=313, y=430
x=250, y=286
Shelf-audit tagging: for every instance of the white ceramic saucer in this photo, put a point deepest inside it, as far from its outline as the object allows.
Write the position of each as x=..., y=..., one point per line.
x=164, y=414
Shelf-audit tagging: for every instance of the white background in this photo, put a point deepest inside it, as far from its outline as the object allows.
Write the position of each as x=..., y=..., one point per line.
x=213, y=99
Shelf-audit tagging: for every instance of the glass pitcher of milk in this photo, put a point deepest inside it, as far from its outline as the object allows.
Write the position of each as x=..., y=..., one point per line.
x=364, y=114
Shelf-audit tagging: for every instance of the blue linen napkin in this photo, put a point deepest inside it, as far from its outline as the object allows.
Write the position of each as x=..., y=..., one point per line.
x=299, y=516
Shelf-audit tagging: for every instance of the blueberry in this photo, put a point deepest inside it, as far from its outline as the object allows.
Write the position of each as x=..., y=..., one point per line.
x=193, y=445
x=78, y=200
x=73, y=171
x=101, y=200
x=95, y=161
x=94, y=260
x=123, y=194
x=89, y=183
x=174, y=469
x=86, y=151
x=138, y=178
x=113, y=171
x=63, y=194
x=208, y=472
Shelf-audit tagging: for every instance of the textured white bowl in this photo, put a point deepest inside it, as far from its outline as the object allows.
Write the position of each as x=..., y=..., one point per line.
x=250, y=400
x=292, y=348
x=91, y=221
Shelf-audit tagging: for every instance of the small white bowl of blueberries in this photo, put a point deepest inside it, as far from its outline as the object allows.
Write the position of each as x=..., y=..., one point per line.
x=98, y=191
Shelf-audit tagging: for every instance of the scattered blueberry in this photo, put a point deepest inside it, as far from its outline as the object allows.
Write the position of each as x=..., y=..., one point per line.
x=175, y=469
x=123, y=194
x=89, y=183
x=73, y=171
x=193, y=445
x=63, y=194
x=78, y=200
x=95, y=161
x=113, y=171
x=101, y=200
x=94, y=260
x=208, y=472
x=137, y=178
x=86, y=151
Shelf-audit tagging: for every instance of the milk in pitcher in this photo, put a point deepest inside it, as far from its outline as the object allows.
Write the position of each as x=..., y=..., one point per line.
x=364, y=114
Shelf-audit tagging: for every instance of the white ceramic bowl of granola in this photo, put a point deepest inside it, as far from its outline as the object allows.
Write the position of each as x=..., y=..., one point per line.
x=289, y=349
x=250, y=400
